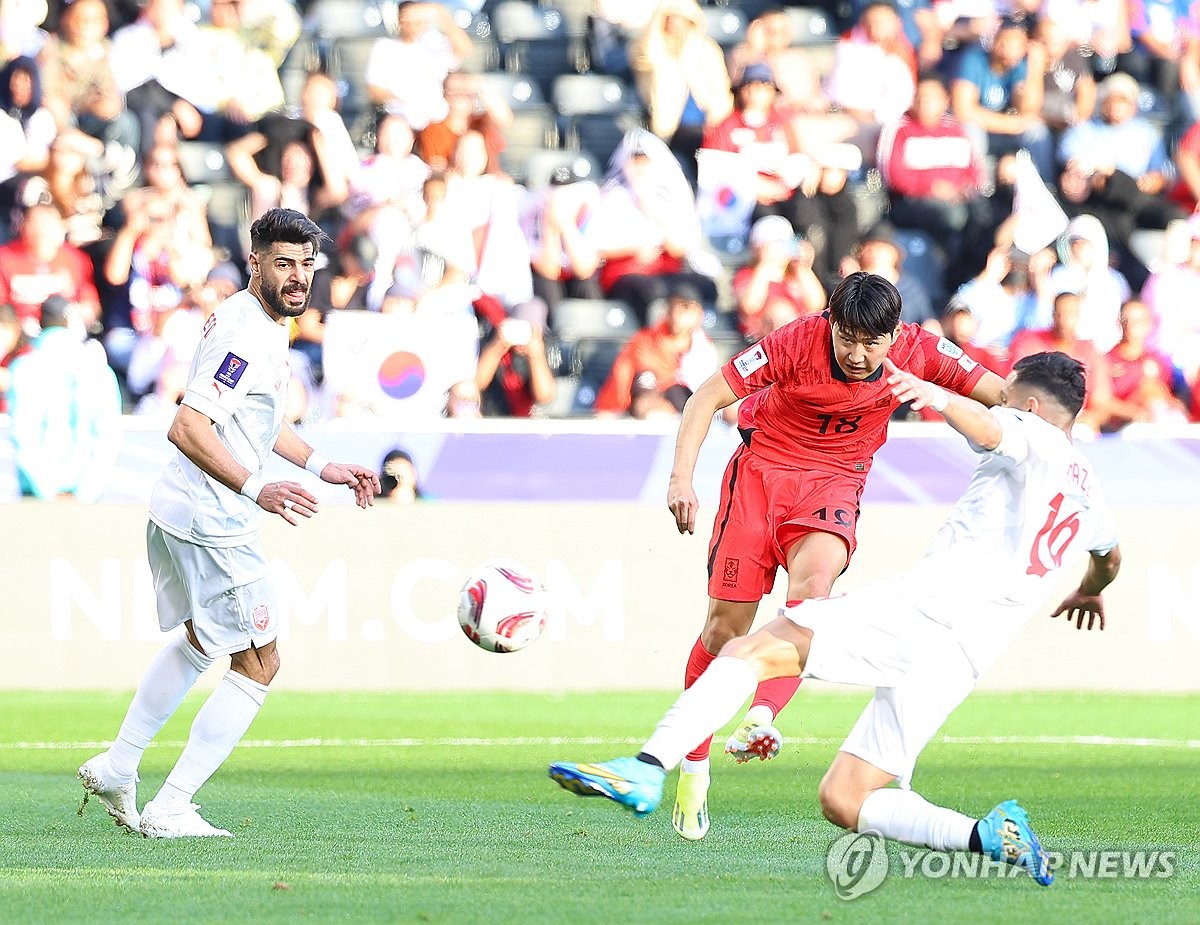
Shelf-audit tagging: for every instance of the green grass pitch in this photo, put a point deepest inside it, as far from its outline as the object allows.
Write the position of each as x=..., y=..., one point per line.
x=429, y=808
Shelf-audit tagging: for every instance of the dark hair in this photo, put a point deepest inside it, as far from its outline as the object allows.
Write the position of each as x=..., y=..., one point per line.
x=387, y=479
x=1061, y=377
x=865, y=304
x=285, y=226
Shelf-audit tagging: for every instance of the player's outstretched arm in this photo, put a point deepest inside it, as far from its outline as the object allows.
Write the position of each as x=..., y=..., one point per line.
x=359, y=479
x=1085, y=603
x=713, y=395
x=192, y=433
x=967, y=416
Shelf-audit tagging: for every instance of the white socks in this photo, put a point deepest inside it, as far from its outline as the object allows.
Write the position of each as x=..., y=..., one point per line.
x=168, y=678
x=217, y=729
x=761, y=714
x=702, y=709
x=902, y=815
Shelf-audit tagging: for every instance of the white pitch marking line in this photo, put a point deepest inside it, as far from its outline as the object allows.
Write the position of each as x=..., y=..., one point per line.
x=518, y=741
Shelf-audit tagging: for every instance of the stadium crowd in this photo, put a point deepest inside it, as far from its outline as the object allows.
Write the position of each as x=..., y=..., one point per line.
x=623, y=195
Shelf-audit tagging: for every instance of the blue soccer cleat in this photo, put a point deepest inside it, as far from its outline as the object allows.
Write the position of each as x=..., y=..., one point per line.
x=627, y=781
x=1006, y=836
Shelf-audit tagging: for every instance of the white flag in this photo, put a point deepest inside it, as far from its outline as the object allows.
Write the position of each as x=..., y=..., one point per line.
x=1039, y=219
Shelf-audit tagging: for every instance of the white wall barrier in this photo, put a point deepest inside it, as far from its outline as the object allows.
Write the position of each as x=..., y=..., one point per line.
x=369, y=599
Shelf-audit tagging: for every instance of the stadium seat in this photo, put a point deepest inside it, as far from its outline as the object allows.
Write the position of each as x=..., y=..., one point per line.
x=335, y=19
x=601, y=134
x=534, y=42
x=348, y=66
x=485, y=53
x=540, y=165
x=924, y=262
x=592, y=361
x=578, y=319
x=517, y=90
x=228, y=204
x=532, y=130
x=592, y=94
x=563, y=404
x=575, y=14
x=811, y=26
x=203, y=162
x=725, y=25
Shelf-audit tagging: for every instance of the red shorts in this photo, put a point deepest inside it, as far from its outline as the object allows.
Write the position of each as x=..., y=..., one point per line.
x=765, y=509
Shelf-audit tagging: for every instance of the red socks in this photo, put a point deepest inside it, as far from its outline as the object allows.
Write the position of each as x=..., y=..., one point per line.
x=699, y=659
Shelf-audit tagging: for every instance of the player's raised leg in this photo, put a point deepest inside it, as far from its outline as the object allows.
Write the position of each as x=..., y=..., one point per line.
x=814, y=561
x=707, y=705
x=726, y=620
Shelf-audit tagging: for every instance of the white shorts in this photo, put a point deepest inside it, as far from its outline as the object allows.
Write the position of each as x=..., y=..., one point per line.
x=224, y=590
x=872, y=637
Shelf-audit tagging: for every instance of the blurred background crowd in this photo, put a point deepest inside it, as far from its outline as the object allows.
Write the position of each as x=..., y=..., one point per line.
x=621, y=195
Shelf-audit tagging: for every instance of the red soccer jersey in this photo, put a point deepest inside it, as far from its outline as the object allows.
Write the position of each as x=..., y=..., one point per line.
x=812, y=417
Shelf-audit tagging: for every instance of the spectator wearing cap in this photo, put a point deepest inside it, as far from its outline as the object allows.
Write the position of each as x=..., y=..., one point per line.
x=681, y=78
x=40, y=263
x=997, y=96
x=1170, y=295
x=405, y=74
x=780, y=275
x=760, y=134
x=1117, y=135
x=554, y=220
x=932, y=172
x=873, y=77
x=65, y=407
x=513, y=374
x=663, y=363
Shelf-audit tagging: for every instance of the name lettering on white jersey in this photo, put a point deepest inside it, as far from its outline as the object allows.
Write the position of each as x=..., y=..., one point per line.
x=750, y=360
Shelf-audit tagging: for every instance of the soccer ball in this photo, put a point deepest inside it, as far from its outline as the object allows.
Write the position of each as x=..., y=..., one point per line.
x=502, y=606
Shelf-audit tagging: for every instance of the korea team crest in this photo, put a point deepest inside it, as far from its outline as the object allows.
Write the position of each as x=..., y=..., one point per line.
x=261, y=617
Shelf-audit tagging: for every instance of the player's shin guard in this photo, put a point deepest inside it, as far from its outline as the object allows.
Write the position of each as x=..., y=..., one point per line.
x=698, y=660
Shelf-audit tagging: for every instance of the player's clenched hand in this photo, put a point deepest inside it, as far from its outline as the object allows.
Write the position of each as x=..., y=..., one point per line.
x=682, y=501
x=362, y=481
x=1079, y=606
x=287, y=499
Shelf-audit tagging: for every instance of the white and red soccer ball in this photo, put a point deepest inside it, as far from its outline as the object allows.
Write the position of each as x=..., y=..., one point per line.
x=503, y=606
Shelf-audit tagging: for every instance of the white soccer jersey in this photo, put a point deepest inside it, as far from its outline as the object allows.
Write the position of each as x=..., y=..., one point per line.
x=1032, y=508
x=239, y=379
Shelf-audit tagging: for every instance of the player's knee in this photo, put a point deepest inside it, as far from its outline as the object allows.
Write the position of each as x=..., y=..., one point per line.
x=838, y=804
x=724, y=624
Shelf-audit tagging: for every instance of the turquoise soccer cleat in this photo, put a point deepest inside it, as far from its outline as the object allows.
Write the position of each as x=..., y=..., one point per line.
x=1006, y=836
x=627, y=781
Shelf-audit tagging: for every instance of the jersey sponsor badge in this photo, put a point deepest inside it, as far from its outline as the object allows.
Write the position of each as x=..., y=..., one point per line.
x=966, y=363
x=261, y=617
x=750, y=360
x=231, y=370
x=951, y=350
